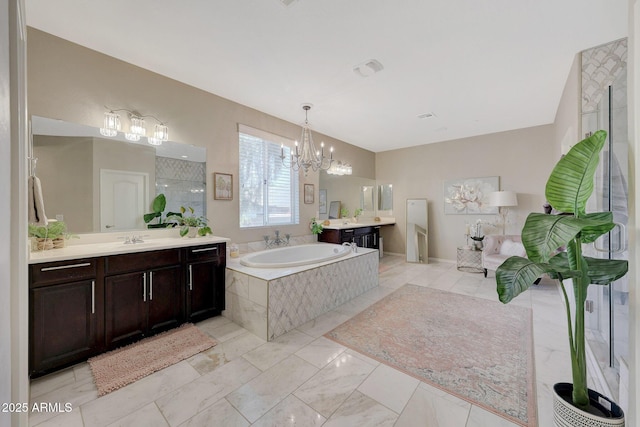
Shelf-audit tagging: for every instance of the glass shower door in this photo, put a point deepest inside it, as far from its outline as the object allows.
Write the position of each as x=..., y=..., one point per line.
x=607, y=318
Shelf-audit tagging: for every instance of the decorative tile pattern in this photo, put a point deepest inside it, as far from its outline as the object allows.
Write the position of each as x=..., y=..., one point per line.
x=183, y=183
x=600, y=67
x=298, y=298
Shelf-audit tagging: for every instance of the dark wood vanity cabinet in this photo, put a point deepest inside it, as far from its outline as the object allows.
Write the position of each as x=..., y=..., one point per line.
x=364, y=237
x=205, y=266
x=84, y=307
x=66, y=313
x=143, y=295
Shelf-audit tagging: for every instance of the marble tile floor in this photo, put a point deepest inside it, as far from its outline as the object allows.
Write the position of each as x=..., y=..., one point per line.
x=304, y=379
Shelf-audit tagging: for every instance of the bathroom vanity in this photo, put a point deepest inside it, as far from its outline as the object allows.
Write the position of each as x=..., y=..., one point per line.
x=115, y=294
x=365, y=234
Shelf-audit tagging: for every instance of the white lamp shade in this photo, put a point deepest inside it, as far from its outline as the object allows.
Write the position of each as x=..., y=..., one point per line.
x=503, y=198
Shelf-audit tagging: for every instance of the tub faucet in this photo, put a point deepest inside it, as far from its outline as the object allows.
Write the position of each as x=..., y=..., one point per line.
x=352, y=245
x=277, y=240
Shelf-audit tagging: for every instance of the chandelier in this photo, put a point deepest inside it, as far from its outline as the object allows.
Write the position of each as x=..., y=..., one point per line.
x=306, y=156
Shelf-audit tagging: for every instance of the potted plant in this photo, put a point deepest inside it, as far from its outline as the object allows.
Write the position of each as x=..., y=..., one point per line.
x=158, y=206
x=50, y=236
x=356, y=214
x=315, y=226
x=344, y=212
x=190, y=225
x=567, y=190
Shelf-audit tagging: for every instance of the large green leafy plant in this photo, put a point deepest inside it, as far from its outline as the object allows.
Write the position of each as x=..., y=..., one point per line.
x=567, y=190
x=158, y=206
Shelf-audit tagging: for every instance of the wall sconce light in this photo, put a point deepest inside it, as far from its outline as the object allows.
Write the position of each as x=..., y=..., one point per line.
x=111, y=124
x=137, y=128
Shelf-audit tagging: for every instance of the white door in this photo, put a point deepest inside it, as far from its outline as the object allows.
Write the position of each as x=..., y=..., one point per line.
x=123, y=200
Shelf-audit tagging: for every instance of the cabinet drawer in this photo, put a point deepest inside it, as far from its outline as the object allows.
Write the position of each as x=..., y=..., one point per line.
x=139, y=261
x=205, y=252
x=62, y=271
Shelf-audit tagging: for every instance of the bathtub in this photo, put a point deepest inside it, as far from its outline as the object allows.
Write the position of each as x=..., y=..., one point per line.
x=293, y=256
x=272, y=301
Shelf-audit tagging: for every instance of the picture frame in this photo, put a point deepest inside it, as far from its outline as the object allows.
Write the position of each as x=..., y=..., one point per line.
x=309, y=196
x=222, y=186
x=322, y=201
x=469, y=196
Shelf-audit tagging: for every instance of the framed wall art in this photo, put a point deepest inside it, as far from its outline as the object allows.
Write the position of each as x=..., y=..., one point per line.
x=468, y=196
x=322, y=201
x=309, y=196
x=222, y=186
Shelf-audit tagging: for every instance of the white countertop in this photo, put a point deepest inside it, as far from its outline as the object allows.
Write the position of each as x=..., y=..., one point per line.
x=117, y=247
x=338, y=224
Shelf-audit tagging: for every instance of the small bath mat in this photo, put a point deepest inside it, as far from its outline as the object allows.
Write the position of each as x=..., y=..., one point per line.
x=125, y=365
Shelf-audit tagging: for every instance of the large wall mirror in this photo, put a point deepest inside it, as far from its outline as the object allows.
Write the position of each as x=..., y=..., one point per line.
x=352, y=191
x=417, y=235
x=97, y=184
x=385, y=197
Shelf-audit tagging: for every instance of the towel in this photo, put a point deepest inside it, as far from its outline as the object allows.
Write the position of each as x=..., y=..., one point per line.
x=36, y=203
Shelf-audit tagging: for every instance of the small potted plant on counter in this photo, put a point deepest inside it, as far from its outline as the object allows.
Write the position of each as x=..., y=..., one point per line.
x=190, y=225
x=567, y=190
x=50, y=236
x=356, y=214
x=315, y=226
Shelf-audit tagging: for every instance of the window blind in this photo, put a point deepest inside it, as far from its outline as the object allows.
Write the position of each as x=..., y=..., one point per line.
x=268, y=189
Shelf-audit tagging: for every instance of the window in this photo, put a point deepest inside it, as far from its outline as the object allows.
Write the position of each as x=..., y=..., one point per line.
x=268, y=189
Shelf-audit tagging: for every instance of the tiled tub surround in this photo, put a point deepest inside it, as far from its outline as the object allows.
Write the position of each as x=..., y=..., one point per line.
x=271, y=302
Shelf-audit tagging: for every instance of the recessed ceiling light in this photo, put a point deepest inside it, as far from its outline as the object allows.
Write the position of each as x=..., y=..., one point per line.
x=368, y=68
x=426, y=116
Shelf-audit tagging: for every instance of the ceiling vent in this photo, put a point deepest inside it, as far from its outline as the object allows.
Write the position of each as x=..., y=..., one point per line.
x=368, y=68
x=287, y=3
x=426, y=116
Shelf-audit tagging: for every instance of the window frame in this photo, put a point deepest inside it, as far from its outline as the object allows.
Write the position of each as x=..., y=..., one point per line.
x=270, y=142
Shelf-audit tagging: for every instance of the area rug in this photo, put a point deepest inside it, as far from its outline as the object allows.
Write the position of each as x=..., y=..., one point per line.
x=125, y=365
x=476, y=349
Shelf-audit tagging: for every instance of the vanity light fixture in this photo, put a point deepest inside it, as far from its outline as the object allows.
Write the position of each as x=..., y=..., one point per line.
x=111, y=124
x=137, y=128
x=306, y=156
x=339, y=168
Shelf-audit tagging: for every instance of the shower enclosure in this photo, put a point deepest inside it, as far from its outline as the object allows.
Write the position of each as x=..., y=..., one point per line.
x=604, y=106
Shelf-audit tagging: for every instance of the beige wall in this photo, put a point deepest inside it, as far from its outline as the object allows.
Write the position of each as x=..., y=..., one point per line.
x=568, y=124
x=72, y=83
x=521, y=158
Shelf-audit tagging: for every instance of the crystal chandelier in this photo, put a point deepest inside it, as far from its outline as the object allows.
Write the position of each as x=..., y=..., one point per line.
x=306, y=156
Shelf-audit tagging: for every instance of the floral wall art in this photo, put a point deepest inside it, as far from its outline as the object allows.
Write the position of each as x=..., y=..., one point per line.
x=470, y=195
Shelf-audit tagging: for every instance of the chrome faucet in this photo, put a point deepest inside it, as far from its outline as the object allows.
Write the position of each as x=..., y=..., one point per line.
x=352, y=245
x=130, y=240
x=277, y=240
